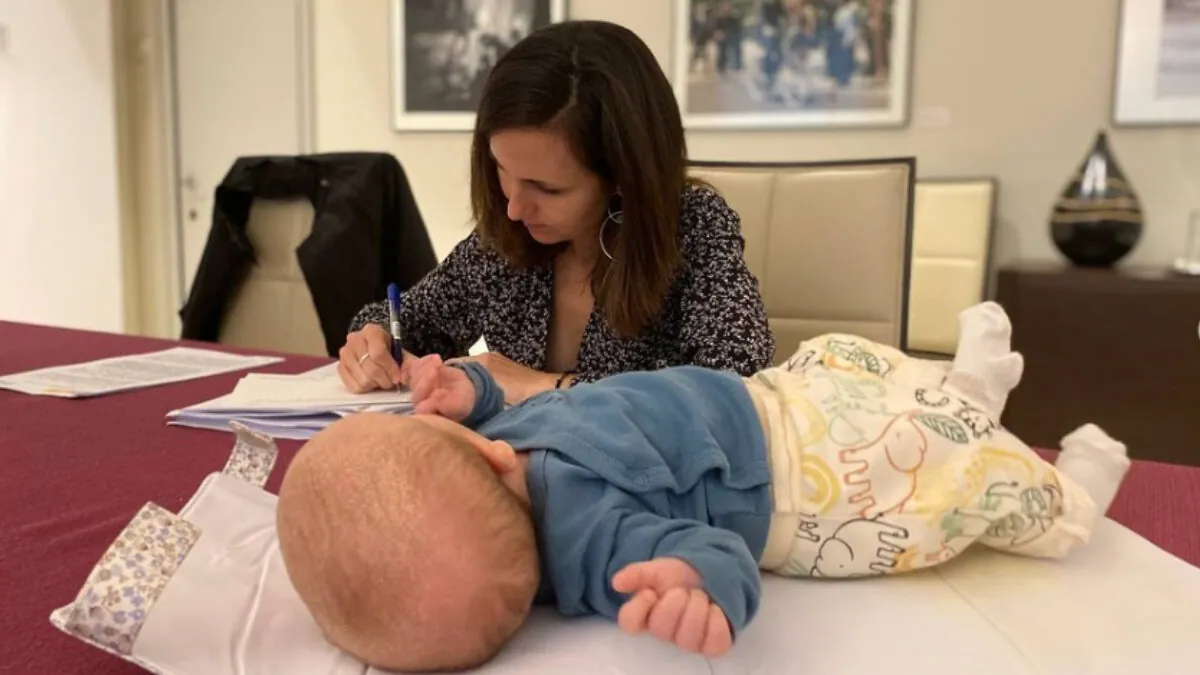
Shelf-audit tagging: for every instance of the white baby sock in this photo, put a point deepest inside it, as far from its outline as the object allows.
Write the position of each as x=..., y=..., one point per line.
x=985, y=367
x=1096, y=462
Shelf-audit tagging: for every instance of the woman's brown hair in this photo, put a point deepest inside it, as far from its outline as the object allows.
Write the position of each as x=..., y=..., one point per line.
x=599, y=85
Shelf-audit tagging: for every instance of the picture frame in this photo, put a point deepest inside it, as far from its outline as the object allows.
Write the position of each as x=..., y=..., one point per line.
x=442, y=51
x=1157, y=78
x=807, y=64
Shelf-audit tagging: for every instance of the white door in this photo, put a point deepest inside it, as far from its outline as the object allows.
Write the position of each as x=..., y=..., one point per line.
x=243, y=82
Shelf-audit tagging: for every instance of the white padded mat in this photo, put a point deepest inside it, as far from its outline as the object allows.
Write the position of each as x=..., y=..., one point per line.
x=230, y=608
x=1119, y=605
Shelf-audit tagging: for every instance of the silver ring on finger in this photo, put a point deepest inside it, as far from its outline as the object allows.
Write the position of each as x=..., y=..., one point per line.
x=363, y=358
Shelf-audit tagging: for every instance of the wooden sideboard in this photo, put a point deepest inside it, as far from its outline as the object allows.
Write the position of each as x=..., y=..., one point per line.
x=1117, y=347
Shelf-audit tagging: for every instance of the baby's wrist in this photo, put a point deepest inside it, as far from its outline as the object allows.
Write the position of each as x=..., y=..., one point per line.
x=487, y=398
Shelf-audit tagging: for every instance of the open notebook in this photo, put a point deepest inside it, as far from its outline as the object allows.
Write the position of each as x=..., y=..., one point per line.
x=288, y=406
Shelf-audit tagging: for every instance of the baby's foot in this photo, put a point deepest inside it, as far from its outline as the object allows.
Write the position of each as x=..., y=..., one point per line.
x=985, y=367
x=1096, y=462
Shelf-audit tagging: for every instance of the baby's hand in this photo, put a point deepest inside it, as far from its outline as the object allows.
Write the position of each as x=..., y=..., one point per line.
x=669, y=601
x=438, y=389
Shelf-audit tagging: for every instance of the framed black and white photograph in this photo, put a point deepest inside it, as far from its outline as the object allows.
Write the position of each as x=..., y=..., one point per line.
x=443, y=51
x=793, y=63
x=1158, y=63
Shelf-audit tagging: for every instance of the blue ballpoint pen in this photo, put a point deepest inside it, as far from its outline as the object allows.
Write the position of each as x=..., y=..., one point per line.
x=393, y=294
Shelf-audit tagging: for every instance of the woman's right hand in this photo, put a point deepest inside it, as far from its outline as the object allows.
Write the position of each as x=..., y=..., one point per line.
x=365, y=362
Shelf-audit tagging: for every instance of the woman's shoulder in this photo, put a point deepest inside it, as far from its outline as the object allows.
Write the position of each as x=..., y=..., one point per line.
x=705, y=213
x=473, y=250
x=475, y=266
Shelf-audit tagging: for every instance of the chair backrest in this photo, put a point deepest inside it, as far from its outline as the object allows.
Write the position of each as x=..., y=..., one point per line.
x=953, y=224
x=828, y=241
x=273, y=308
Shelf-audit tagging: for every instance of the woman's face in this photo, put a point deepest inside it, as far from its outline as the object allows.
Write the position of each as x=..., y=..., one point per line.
x=549, y=192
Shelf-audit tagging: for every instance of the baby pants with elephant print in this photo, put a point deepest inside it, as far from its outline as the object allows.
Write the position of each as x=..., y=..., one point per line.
x=880, y=468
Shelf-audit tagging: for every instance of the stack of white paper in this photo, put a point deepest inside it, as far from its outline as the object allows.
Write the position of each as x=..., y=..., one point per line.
x=288, y=406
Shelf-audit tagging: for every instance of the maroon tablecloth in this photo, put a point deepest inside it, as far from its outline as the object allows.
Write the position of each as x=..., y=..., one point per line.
x=72, y=474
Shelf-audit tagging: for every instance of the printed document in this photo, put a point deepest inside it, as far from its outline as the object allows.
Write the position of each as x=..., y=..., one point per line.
x=124, y=373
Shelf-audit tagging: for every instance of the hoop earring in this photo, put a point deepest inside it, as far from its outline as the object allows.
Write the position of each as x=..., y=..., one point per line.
x=617, y=217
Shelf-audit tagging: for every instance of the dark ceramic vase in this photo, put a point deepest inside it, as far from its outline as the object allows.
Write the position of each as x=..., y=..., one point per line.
x=1098, y=219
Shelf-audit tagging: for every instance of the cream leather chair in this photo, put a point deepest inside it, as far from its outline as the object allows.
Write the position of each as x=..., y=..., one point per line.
x=828, y=241
x=272, y=308
x=953, y=224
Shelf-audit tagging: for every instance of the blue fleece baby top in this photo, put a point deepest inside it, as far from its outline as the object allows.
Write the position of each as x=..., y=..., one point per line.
x=637, y=466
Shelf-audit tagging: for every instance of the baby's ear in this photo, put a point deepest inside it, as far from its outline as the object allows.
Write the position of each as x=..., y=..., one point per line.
x=506, y=455
x=499, y=455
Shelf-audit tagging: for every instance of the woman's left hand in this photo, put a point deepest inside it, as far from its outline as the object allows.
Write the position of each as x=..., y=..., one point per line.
x=517, y=381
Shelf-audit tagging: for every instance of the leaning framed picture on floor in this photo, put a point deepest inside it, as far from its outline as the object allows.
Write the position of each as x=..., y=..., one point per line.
x=443, y=50
x=1158, y=63
x=749, y=64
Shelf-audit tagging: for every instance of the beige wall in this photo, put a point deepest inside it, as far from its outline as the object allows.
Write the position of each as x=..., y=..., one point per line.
x=145, y=168
x=60, y=238
x=1025, y=83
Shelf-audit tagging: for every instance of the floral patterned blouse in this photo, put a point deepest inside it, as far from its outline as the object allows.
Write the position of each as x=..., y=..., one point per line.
x=713, y=315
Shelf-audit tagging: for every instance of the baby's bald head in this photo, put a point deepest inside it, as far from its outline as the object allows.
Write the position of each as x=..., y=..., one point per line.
x=405, y=546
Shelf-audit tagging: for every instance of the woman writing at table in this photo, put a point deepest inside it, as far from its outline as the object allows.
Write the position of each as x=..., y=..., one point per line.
x=593, y=253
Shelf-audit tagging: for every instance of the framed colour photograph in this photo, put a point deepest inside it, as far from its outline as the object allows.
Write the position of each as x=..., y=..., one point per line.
x=443, y=50
x=1158, y=63
x=747, y=64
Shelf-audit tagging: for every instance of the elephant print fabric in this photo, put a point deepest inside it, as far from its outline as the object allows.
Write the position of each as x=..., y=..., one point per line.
x=879, y=469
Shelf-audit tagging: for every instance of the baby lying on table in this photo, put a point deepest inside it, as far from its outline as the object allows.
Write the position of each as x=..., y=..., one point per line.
x=655, y=498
